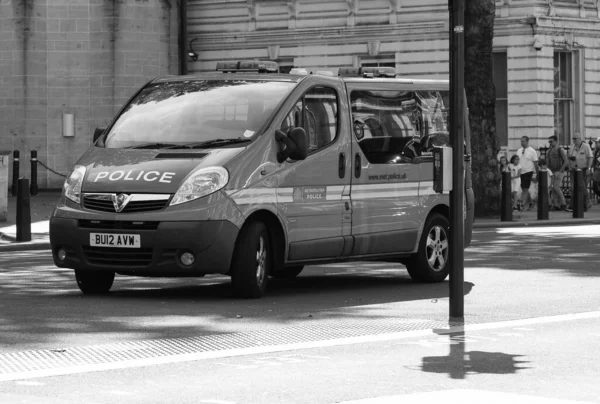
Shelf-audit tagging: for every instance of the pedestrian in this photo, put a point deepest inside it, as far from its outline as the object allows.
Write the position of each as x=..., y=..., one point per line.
x=503, y=165
x=515, y=181
x=558, y=164
x=596, y=166
x=528, y=160
x=581, y=157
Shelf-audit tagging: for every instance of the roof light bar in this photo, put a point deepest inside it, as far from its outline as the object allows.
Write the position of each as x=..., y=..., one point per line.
x=256, y=66
x=367, y=72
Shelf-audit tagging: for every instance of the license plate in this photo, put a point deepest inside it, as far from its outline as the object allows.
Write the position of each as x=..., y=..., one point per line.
x=115, y=240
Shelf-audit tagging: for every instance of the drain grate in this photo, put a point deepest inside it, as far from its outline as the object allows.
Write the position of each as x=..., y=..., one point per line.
x=33, y=363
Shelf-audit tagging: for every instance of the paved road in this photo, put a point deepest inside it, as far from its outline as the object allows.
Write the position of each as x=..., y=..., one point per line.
x=376, y=323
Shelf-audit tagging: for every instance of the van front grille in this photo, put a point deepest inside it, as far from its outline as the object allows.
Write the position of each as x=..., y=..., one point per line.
x=117, y=225
x=120, y=257
x=137, y=204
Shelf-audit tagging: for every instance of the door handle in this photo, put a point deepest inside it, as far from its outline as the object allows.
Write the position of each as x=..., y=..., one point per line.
x=342, y=165
x=357, y=166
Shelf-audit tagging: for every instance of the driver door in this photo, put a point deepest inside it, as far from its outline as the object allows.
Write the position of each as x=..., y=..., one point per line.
x=309, y=194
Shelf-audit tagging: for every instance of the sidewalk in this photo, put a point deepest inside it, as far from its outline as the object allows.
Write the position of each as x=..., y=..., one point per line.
x=43, y=204
x=41, y=208
x=529, y=218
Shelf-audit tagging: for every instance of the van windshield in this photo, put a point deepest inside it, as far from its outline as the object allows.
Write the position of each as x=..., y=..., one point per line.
x=196, y=112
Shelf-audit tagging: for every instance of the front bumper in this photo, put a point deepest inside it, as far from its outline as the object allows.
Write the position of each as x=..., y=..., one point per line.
x=161, y=243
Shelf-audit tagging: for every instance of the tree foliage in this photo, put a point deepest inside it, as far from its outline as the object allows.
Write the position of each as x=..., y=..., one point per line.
x=481, y=98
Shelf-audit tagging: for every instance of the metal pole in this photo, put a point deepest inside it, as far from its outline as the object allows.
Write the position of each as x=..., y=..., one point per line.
x=183, y=56
x=577, y=193
x=457, y=86
x=15, y=176
x=34, y=185
x=543, y=195
x=23, y=211
x=506, y=199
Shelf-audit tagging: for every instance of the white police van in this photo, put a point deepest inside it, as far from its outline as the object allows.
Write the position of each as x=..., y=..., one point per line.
x=255, y=174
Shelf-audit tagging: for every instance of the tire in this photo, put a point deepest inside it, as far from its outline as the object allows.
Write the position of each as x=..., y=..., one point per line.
x=288, y=272
x=252, y=261
x=94, y=282
x=431, y=262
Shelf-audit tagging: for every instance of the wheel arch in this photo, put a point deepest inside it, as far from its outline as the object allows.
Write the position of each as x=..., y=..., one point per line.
x=276, y=233
x=442, y=209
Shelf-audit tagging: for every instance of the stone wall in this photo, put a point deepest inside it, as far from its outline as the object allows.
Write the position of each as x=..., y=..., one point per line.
x=80, y=57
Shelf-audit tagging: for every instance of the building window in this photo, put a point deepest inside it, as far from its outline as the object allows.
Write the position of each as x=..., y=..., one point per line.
x=564, y=102
x=501, y=84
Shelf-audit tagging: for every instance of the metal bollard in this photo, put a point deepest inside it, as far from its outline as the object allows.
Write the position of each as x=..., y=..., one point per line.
x=23, y=211
x=506, y=199
x=34, y=186
x=577, y=193
x=543, y=195
x=15, y=179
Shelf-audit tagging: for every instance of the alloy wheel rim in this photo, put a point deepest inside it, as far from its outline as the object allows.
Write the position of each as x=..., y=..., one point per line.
x=437, y=248
x=261, y=259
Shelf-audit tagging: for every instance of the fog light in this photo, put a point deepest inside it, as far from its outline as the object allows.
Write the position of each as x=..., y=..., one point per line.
x=187, y=259
x=62, y=254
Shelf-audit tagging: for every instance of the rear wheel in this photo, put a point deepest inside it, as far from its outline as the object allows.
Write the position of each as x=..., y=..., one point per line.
x=94, y=282
x=431, y=262
x=288, y=272
x=252, y=260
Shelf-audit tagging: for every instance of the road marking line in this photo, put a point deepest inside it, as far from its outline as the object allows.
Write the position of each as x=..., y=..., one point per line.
x=228, y=353
x=462, y=396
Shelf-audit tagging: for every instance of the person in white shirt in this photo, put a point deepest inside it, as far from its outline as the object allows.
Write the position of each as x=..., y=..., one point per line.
x=515, y=176
x=529, y=168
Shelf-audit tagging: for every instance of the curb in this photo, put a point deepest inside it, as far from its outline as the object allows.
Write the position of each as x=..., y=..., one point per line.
x=25, y=246
x=537, y=223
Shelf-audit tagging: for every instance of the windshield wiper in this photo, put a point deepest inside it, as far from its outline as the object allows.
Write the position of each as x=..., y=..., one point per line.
x=158, y=146
x=217, y=142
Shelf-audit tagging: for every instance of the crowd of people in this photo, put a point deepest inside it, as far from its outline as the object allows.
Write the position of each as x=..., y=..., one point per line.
x=525, y=167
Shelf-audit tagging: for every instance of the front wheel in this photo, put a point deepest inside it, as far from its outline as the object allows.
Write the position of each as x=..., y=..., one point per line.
x=94, y=282
x=431, y=262
x=252, y=260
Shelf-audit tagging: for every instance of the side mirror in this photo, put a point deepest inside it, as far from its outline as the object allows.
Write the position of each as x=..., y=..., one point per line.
x=296, y=144
x=97, y=133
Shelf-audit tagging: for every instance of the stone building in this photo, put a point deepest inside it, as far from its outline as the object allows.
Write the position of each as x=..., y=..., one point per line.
x=66, y=66
x=546, y=60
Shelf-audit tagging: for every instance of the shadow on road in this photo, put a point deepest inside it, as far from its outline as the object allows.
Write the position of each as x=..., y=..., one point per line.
x=39, y=302
x=460, y=363
x=569, y=249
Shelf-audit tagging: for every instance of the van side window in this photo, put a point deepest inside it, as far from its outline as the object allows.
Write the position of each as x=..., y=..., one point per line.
x=390, y=126
x=435, y=112
x=317, y=113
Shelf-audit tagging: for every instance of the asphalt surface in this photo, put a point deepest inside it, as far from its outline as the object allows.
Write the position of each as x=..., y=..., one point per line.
x=526, y=274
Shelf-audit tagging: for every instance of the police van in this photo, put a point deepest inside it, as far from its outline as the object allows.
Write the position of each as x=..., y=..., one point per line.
x=254, y=174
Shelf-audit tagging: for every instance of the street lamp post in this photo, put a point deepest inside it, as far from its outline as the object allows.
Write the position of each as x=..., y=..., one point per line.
x=457, y=123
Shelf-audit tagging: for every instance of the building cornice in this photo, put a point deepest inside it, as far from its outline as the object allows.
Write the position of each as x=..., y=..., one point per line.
x=321, y=36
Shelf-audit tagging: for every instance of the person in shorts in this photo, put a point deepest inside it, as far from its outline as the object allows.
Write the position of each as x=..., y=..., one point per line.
x=558, y=163
x=528, y=159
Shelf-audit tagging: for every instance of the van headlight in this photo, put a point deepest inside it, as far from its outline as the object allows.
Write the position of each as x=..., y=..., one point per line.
x=201, y=183
x=72, y=186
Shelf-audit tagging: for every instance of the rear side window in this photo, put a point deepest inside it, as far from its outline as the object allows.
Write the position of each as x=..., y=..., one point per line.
x=396, y=126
